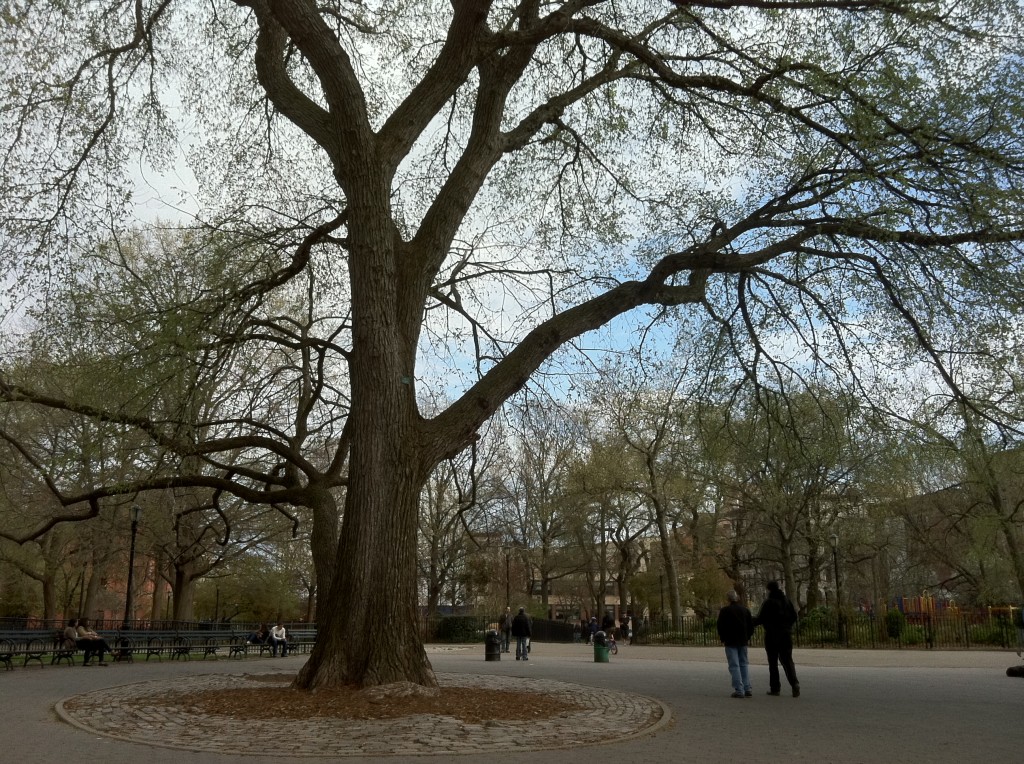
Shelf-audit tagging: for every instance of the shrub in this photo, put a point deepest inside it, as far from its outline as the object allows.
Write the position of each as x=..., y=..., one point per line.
x=895, y=623
x=913, y=635
x=993, y=633
x=459, y=628
x=818, y=625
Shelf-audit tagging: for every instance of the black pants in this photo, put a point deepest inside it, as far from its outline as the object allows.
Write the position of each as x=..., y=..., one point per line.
x=93, y=647
x=780, y=650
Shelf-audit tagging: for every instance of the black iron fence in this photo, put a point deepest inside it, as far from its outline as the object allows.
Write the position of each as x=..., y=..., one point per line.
x=450, y=629
x=890, y=630
x=819, y=628
x=117, y=625
x=471, y=628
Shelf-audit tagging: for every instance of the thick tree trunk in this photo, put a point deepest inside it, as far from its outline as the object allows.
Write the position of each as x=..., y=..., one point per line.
x=183, y=593
x=323, y=541
x=813, y=573
x=311, y=597
x=92, y=589
x=368, y=632
x=158, y=612
x=671, y=568
x=49, y=598
x=434, y=586
x=51, y=565
x=788, y=573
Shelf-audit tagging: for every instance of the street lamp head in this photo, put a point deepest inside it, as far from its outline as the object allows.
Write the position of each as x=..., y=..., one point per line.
x=136, y=509
x=834, y=540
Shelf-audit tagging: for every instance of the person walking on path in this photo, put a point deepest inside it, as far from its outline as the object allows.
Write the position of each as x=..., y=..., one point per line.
x=777, y=615
x=521, y=631
x=506, y=629
x=735, y=627
x=608, y=624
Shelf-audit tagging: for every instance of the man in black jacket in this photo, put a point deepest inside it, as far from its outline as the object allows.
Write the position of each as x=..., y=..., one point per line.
x=506, y=629
x=521, y=631
x=735, y=627
x=778, y=615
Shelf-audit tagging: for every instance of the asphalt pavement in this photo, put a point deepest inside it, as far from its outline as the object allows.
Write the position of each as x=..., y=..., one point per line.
x=855, y=706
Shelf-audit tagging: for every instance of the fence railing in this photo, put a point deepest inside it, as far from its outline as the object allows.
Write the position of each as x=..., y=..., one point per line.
x=115, y=625
x=453, y=628
x=471, y=628
x=891, y=630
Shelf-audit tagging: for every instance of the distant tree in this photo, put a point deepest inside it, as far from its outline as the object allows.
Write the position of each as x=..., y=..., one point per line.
x=541, y=443
x=965, y=512
x=452, y=506
x=798, y=465
x=610, y=517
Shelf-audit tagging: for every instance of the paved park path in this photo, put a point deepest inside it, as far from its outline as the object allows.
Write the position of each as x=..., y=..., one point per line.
x=855, y=706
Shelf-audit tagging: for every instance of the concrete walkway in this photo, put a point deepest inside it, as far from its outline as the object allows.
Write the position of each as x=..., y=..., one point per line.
x=856, y=706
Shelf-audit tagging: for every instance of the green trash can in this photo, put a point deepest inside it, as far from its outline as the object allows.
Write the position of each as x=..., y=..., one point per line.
x=600, y=653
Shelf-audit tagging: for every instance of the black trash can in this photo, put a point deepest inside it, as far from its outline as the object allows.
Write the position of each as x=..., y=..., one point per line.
x=492, y=646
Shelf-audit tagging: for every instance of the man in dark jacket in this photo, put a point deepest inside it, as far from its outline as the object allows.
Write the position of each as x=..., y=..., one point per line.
x=735, y=627
x=778, y=615
x=521, y=631
x=505, y=626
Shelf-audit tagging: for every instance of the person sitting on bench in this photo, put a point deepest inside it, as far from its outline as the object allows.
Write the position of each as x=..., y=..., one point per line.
x=278, y=636
x=92, y=642
x=70, y=639
x=258, y=637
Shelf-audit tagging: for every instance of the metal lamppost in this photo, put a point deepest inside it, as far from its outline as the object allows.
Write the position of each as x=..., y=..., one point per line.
x=126, y=624
x=840, y=631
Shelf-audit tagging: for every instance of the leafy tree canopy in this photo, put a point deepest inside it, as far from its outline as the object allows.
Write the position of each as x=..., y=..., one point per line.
x=482, y=183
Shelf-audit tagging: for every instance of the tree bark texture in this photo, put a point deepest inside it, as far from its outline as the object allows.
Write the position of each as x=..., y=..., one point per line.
x=367, y=633
x=183, y=593
x=323, y=542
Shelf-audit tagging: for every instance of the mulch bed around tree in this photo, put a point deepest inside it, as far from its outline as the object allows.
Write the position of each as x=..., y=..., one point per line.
x=273, y=698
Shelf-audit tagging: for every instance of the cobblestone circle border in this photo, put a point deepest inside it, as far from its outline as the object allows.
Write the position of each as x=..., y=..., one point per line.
x=122, y=713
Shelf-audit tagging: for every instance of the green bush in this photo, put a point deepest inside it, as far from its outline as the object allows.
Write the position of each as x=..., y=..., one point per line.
x=459, y=628
x=993, y=633
x=818, y=625
x=913, y=635
x=895, y=623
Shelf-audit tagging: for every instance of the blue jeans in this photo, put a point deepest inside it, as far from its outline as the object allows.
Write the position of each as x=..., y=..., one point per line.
x=521, y=651
x=739, y=669
x=273, y=647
